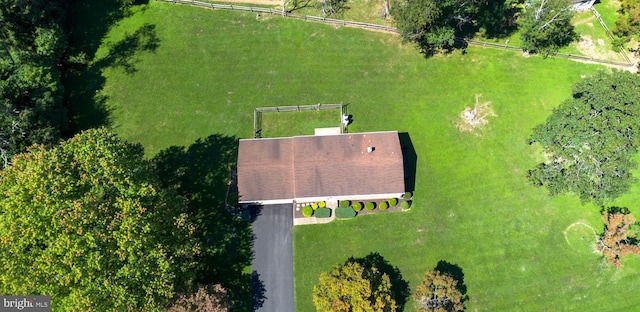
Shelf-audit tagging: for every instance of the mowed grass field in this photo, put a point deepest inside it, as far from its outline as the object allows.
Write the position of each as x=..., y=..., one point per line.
x=473, y=207
x=303, y=122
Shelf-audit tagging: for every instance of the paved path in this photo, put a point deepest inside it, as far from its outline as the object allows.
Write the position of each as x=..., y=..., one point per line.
x=273, y=259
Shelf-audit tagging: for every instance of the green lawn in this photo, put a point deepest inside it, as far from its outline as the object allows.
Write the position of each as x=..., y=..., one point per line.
x=206, y=70
x=608, y=10
x=281, y=124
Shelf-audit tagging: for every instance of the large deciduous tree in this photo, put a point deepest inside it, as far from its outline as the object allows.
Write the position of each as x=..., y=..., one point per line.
x=546, y=26
x=438, y=292
x=86, y=223
x=353, y=287
x=590, y=139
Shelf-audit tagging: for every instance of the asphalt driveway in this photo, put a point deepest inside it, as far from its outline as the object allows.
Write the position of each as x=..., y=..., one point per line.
x=272, y=282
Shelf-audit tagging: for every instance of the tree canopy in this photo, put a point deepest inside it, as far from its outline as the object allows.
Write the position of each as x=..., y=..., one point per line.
x=433, y=24
x=590, y=139
x=353, y=287
x=546, y=26
x=86, y=223
x=438, y=292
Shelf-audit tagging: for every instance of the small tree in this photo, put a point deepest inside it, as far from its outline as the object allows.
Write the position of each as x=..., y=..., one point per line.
x=438, y=292
x=352, y=287
x=618, y=239
x=546, y=26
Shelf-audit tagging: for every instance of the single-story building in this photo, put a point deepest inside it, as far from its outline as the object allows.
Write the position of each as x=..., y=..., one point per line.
x=316, y=168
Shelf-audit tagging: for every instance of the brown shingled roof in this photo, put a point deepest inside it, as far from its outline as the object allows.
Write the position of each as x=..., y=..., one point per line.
x=320, y=166
x=265, y=170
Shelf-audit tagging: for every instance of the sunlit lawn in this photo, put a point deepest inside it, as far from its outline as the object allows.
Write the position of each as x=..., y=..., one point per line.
x=473, y=206
x=292, y=123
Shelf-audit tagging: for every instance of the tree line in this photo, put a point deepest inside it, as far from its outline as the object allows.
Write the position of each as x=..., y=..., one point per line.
x=545, y=25
x=34, y=56
x=84, y=217
x=33, y=42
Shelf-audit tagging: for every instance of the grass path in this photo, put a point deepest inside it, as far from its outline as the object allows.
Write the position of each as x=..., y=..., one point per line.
x=473, y=205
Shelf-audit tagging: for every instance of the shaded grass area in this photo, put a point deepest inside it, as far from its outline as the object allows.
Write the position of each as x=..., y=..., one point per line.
x=282, y=124
x=473, y=207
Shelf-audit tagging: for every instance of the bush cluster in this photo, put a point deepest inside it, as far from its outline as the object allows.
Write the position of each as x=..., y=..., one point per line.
x=370, y=206
x=357, y=206
x=307, y=211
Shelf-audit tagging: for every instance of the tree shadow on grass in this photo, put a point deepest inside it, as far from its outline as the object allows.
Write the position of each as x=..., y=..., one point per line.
x=201, y=174
x=88, y=24
x=456, y=273
x=399, y=286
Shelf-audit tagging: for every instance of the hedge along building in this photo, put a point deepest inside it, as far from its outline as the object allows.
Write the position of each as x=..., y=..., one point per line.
x=359, y=166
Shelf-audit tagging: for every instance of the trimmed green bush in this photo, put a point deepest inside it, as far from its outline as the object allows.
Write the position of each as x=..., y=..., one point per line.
x=314, y=206
x=405, y=204
x=407, y=195
x=323, y=213
x=383, y=206
x=370, y=206
x=344, y=204
x=345, y=213
x=393, y=202
x=357, y=206
x=307, y=211
x=322, y=204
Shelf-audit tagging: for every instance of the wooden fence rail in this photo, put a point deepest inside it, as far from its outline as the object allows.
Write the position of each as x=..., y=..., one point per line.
x=609, y=34
x=393, y=30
